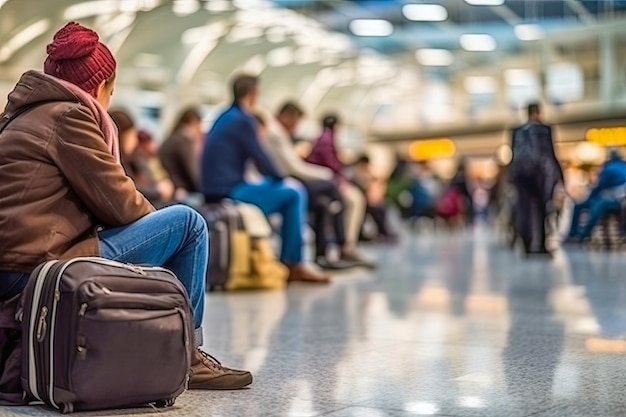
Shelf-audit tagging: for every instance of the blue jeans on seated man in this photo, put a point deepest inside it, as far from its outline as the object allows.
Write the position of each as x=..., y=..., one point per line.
x=174, y=237
x=598, y=207
x=287, y=199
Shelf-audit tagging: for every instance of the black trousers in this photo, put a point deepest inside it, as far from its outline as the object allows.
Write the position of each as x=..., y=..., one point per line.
x=530, y=211
x=325, y=206
x=379, y=215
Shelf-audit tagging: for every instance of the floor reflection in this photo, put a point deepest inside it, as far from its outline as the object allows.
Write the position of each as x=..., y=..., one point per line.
x=450, y=324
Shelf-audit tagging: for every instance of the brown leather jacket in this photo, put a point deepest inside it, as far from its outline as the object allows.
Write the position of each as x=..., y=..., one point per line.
x=58, y=180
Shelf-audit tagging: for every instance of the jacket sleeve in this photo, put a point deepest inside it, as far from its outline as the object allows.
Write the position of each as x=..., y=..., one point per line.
x=292, y=163
x=79, y=150
x=247, y=139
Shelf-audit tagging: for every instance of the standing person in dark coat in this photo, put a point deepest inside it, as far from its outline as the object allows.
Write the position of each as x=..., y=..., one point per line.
x=535, y=172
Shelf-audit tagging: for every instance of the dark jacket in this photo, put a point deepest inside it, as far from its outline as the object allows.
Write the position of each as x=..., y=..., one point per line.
x=58, y=179
x=533, y=156
x=229, y=145
x=179, y=158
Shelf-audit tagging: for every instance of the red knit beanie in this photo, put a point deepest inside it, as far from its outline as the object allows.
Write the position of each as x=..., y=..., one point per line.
x=76, y=55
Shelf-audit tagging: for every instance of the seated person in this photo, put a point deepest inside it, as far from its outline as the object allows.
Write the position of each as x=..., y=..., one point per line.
x=180, y=154
x=324, y=153
x=374, y=191
x=230, y=144
x=65, y=193
x=325, y=200
x=159, y=193
x=148, y=151
x=605, y=197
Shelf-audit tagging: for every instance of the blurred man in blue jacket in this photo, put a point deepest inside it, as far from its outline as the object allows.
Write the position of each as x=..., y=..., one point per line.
x=230, y=144
x=605, y=197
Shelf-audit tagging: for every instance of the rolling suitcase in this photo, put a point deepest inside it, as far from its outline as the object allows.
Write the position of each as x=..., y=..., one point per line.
x=101, y=334
x=223, y=220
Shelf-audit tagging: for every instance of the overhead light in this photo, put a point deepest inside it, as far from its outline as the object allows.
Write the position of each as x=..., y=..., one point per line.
x=425, y=12
x=434, y=57
x=280, y=57
x=529, y=32
x=478, y=42
x=371, y=27
x=520, y=77
x=485, y=2
x=252, y=4
x=218, y=6
x=22, y=38
x=2, y=3
x=480, y=85
x=185, y=7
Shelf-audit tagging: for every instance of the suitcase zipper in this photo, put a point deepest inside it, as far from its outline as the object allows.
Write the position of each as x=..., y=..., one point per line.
x=39, y=284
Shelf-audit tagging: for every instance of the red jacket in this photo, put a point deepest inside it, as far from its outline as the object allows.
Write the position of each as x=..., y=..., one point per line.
x=324, y=153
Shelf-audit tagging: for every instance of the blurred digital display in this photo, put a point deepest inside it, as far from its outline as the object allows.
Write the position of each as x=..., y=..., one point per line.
x=422, y=150
x=607, y=136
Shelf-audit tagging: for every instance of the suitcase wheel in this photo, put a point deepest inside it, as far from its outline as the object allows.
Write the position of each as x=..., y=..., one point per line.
x=165, y=403
x=67, y=408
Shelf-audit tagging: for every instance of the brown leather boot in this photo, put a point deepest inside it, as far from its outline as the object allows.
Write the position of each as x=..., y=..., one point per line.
x=302, y=273
x=208, y=373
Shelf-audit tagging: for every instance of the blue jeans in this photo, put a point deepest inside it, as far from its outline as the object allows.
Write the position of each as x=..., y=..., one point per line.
x=175, y=237
x=598, y=207
x=288, y=200
x=574, y=230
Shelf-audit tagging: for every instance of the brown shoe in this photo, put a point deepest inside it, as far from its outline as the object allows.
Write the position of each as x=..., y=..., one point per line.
x=302, y=273
x=208, y=373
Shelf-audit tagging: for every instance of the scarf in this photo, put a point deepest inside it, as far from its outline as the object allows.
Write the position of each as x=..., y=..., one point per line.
x=105, y=123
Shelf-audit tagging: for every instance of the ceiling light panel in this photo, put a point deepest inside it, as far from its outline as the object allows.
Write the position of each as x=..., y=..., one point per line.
x=529, y=32
x=485, y=2
x=280, y=57
x=185, y=7
x=425, y=12
x=218, y=6
x=371, y=27
x=480, y=42
x=434, y=57
x=480, y=85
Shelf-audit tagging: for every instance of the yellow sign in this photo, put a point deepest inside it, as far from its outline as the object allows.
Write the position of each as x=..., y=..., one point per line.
x=422, y=150
x=607, y=136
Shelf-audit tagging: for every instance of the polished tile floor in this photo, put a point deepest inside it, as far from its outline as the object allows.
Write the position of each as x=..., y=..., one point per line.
x=449, y=325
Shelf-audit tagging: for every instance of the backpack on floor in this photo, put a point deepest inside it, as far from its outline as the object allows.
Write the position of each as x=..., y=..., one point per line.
x=100, y=334
x=241, y=256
